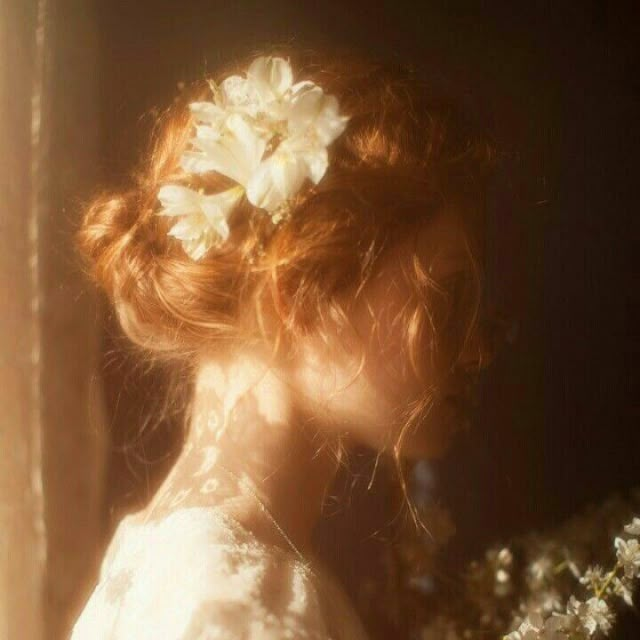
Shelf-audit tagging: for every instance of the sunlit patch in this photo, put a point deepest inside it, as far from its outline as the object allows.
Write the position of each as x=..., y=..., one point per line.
x=213, y=420
x=210, y=456
x=179, y=497
x=210, y=486
x=211, y=377
x=118, y=585
x=243, y=410
x=198, y=426
x=188, y=448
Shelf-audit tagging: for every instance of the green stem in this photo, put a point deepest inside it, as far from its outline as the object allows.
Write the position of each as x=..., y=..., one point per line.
x=559, y=568
x=610, y=576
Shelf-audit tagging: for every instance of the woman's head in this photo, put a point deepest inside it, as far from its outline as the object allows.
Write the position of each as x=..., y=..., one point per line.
x=378, y=265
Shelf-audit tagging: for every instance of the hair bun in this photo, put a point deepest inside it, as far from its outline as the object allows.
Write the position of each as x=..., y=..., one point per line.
x=117, y=244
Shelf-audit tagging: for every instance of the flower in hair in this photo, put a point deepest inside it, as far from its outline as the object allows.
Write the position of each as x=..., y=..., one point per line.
x=203, y=218
x=265, y=133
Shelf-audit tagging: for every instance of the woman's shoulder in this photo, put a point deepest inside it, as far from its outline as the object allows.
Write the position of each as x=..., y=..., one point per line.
x=196, y=574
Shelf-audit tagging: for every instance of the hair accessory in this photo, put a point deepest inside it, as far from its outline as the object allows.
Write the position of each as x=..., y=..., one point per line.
x=265, y=133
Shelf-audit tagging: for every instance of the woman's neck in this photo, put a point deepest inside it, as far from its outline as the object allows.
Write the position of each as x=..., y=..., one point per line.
x=252, y=451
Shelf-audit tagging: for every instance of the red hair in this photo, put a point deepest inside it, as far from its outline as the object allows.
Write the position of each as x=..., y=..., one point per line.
x=404, y=155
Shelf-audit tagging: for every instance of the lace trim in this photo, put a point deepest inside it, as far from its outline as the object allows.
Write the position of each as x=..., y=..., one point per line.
x=242, y=538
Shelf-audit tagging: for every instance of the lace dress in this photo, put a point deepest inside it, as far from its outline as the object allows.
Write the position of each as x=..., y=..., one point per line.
x=197, y=574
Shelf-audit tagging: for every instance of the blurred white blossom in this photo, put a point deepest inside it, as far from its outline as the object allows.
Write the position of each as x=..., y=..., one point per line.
x=623, y=589
x=629, y=556
x=593, y=614
x=566, y=585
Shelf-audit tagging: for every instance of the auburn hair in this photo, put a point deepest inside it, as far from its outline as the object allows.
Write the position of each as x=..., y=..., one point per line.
x=404, y=155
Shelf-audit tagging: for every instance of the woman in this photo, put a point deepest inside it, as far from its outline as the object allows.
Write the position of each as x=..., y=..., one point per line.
x=305, y=235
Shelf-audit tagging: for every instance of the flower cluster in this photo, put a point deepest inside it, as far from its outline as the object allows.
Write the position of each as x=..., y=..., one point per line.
x=267, y=134
x=540, y=587
x=593, y=616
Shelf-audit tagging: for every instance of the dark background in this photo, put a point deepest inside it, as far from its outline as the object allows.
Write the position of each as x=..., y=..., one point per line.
x=557, y=86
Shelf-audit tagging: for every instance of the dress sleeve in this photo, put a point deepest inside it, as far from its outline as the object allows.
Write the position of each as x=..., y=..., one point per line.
x=188, y=582
x=232, y=619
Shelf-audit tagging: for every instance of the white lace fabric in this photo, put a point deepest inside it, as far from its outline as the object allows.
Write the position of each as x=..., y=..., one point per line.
x=196, y=574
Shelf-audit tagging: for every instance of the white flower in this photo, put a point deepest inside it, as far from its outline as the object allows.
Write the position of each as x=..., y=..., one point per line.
x=593, y=577
x=232, y=137
x=504, y=557
x=561, y=624
x=633, y=527
x=233, y=132
x=264, y=94
x=236, y=132
x=622, y=588
x=529, y=629
x=539, y=571
x=314, y=122
x=281, y=176
x=234, y=151
x=315, y=115
x=271, y=79
x=234, y=95
x=533, y=622
x=544, y=601
x=238, y=93
x=203, y=218
x=562, y=627
x=629, y=556
x=593, y=614
x=573, y=568
x=209, y=113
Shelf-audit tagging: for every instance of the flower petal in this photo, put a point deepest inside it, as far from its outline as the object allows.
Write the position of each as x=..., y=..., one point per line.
x=177, y=200
x=207, y=112
x=329, y=123
x=235, y=153
x=277, y=179
x=217, y=207
x=196, y=162
x=316, y=114
x=197, y=248
x=261, y=190
x=203, y=221
x=189, y=227
x=239, y=93
x=206, y=132
x=633, y=527
x=305, y=106
x=271, y=76
x=314, y=156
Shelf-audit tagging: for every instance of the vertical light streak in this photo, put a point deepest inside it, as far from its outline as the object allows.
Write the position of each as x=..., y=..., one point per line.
x=39, y=153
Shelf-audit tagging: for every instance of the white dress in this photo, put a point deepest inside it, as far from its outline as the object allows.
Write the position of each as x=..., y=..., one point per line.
x=197, y=574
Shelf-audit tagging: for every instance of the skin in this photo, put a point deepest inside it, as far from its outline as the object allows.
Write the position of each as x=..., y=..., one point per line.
x=275, y=426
